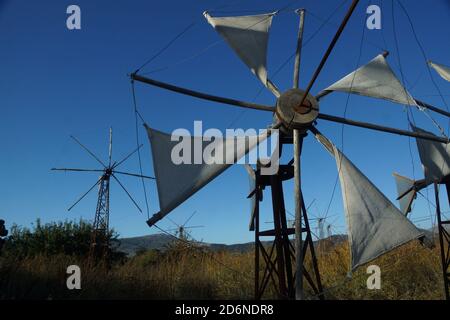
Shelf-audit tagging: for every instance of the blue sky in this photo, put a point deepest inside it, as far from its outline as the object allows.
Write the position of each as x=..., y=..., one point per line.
x=55, y=83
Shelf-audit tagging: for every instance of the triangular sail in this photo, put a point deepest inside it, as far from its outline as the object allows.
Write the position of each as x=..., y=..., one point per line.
x=405, y=190
x=435, y=157
x=443, y=71
x=375, y=225
x=248, y=36
x=252, y=194
x=375, y=79
x=177, y=182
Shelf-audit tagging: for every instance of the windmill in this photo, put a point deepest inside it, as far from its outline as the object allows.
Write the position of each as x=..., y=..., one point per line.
x=181, y=229
x=99, y=238
x=435, y=159
x=370, y=215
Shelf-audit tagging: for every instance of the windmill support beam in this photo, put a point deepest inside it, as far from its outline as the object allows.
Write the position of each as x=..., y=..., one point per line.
x=444, y=240
x=279, y=260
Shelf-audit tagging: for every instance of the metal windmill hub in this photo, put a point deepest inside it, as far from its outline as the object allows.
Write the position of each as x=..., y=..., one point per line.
x=292, y=114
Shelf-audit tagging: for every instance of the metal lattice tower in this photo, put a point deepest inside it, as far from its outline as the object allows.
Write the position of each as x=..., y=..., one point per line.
x=100, y=229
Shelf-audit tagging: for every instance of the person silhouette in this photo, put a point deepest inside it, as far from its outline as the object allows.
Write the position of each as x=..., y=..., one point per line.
x=3, y=233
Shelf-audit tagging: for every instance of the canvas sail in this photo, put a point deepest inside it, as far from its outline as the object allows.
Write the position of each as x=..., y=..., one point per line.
x=252, y=195
x=176, y=182
x=435, y=157
x=375, y=79
x=443, y=71
x=406, y=190
x=248, y=36
x=375, y=225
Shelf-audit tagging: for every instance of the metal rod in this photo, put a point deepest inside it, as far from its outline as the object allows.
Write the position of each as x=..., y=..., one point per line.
x=330, y=48
x=298, y=142
x=432, y=108
x=311, y=248
x=85, y=194
x=126, y=158
x=201, y=95
x=441, y=240
x=382, y=128
x=88, y=151
x=420, y=103
x=301, y=13
x=77, y=170
x=134, y=175
x=110, y=145
x=126, y=191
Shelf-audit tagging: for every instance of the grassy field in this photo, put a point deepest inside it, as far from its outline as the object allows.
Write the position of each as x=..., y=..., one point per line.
x=409, y=272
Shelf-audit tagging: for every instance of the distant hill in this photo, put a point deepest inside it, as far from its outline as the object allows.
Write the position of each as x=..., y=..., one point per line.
x=160, y=241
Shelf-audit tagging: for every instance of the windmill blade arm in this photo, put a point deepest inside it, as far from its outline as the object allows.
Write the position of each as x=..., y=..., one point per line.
x=330, y=49
x=128, y=194
x=201, y=95
x=190, y=217
x=76, y=170
x=420, y=103
x=128, y=156
x=134, y=175
x=432, y=108
x=375, y=127
x=88, y=151
x=85, y=194
x=194, y=227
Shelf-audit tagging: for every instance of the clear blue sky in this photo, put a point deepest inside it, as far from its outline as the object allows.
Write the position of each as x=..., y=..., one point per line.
x=55, y=82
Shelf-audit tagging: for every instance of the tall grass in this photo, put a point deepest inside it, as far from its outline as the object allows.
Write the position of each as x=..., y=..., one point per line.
x=185, y=272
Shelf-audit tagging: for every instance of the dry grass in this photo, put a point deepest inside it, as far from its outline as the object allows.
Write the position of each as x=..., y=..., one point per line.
x=410, y=272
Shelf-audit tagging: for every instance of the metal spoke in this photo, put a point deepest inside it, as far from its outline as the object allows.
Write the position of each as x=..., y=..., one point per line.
x=110, y=146
x=193, y=227
x=193, y=213
x=420, y=103
x=134, y=175
x=88, y=151
x=124, y=189
x=301, y=13
x=84, y=195
x=77, y=170
x=127, y=157
x=382, y=128
x=330, y=48
x=201, y=95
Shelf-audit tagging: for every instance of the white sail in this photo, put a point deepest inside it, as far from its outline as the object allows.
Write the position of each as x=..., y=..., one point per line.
x=375, y=225
x=176, y=182
x=252, y=192
x=375, y=79
x=435, y=157
x=405, y=189
x=248, y=36
x=443, y=71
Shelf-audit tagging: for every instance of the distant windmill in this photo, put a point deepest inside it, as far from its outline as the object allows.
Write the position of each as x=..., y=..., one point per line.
x=99, y=240
x=329, y=231
x=181, y=230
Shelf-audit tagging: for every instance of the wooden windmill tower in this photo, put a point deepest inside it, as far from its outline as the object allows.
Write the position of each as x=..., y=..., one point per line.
x=376, y=226
x=99, y=239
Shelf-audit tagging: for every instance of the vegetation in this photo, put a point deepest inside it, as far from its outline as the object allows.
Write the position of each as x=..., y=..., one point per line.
x=33, y=266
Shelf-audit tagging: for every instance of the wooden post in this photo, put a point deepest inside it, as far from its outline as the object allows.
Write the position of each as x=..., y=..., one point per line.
x=298, y=142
